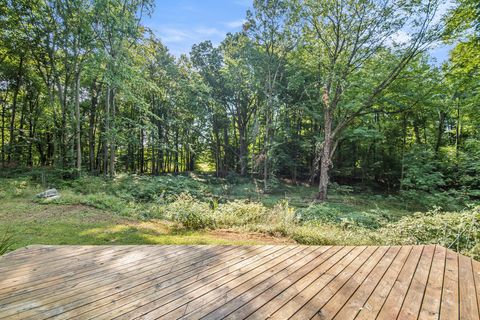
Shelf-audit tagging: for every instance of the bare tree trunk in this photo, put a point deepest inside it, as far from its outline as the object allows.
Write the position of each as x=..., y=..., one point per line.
x=243, y=149
x=91, y=129
x=457, y=132
x=106, y=133
x=266, y=150
x=402, y=172
x=113, y=146
x=18, y=84
x=441, y=128
x=326, y=152
x=3, y=132
x=142, y=152
x=78, y=121
x=325, y=161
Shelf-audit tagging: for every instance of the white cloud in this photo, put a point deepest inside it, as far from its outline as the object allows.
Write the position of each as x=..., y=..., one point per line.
x=235, y=23
x=401, y=37
x=172, y=34
x=202, y=31
x=180, y=38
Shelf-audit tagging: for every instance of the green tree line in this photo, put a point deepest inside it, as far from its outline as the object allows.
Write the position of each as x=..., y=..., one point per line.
x=309, y=90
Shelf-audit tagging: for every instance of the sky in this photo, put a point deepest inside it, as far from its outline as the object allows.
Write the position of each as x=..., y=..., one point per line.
x=182, y=23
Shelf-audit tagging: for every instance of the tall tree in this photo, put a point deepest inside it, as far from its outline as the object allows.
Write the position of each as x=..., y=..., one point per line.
x=269, y=24
x=347, y=40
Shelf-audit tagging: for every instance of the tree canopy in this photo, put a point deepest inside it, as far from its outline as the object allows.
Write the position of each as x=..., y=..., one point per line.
x=309, y=91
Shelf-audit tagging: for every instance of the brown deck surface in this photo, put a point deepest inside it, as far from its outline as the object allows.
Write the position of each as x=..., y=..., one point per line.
x=254, y=282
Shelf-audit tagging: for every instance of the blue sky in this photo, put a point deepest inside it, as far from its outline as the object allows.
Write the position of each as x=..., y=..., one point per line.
x=182, y=23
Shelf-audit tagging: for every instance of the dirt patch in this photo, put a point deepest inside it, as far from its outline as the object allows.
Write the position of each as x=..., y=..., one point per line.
x=31, y=211
x=254, y=236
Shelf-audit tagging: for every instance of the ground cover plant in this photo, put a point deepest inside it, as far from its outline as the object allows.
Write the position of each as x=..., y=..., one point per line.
x=314, y=122
x=196, y=209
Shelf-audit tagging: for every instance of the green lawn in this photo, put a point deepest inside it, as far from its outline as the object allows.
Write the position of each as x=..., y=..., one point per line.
x=51, y=224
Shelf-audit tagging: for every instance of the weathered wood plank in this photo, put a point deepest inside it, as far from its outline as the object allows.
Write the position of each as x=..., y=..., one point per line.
x=416, y=291
x=449, y=308
x=333, y=288
x=270, y=301
x=134, y=296
x=95, y=290
x=263, y=292
x=232, y=282
x=433, y=294
x=165, y=302
x=111, y=278
x=355, y=257
x=330, y=309
x=390, y=307
x=358, y=300
x=468, y=298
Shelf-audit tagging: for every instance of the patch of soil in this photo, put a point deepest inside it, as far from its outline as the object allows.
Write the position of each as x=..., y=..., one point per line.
x=55, y=212
x=255, y=236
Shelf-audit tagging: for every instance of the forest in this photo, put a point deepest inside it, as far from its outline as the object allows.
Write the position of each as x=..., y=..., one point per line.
x=329, y=119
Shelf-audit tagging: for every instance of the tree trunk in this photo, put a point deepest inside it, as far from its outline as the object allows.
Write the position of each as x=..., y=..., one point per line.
x=457, y=132
x=113, y=146
x=243, y=149
x=142, y=152
x=18, y=84
x=3, y=133
x=78, y=122
x=441, y=128
x=91, y=129
x=326, y=152
x=402, y=172
x=325, y=161
x=106, y=133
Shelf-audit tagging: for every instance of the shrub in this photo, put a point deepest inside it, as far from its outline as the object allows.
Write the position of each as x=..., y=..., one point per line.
x=346, y=217
x=456, y=230
x=239, y=213
x=341, y=189
x=191, y=213
x=329, y=234
x=5, y=242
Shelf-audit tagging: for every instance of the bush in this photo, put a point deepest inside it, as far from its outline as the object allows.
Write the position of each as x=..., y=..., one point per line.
x=450, y=200
x=326, y=213
x=456, y=230
x=330, y=234
x=240, y=213
x=191, y=213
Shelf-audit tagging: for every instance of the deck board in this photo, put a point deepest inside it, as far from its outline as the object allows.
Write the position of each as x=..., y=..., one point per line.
x=238, y=282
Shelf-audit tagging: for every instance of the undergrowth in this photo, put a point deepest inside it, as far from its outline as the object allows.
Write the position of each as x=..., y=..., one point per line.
x=198, y=202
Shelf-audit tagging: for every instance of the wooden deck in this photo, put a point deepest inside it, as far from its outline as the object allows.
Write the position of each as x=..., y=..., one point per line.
x=254, y=282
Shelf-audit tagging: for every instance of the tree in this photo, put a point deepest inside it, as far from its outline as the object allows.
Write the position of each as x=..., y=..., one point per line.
x=117, y=28
x=241, y=85
x=270, y=27
x=348, y=40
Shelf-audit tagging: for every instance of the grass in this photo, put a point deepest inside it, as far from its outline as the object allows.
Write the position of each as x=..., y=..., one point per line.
x=75, y=221
x=200, y=209
x=52, y=224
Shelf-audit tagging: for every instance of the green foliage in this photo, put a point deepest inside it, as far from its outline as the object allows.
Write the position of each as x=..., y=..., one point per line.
x=189, y=212
x=456, y=230
x=329, y=234
x=344, y=216
x=422, y=170
x=6, y=242
x=239, y=213
x=469, y=166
